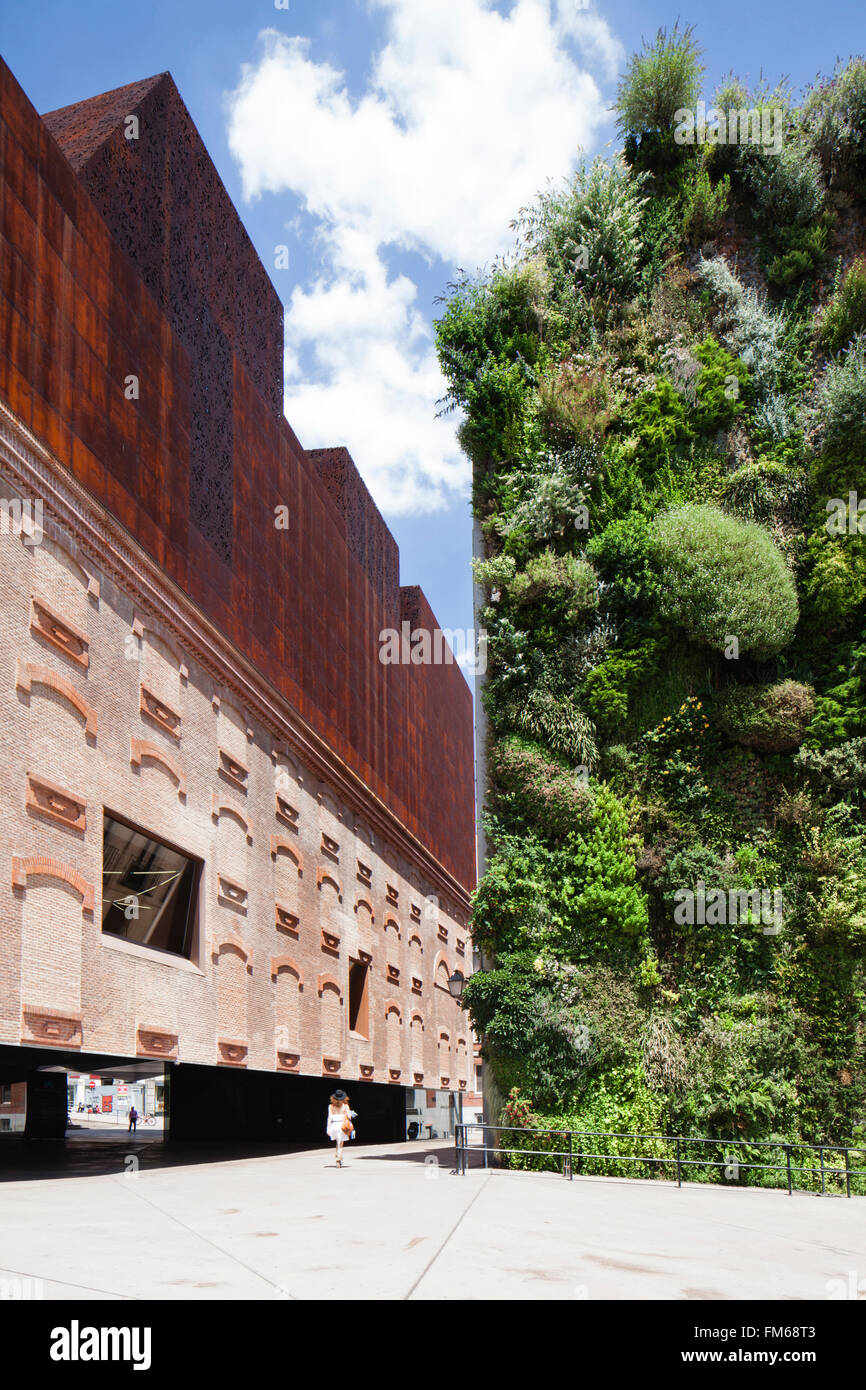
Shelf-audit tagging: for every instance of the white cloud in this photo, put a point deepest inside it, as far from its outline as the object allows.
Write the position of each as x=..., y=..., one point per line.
x=466, y=113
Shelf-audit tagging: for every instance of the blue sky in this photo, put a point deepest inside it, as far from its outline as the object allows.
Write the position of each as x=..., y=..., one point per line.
x=384, y=142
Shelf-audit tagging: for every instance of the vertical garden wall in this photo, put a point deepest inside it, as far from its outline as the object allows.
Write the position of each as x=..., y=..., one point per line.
x=663, y=394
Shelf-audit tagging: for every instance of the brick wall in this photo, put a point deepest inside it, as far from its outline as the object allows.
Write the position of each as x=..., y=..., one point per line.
x=299, y=876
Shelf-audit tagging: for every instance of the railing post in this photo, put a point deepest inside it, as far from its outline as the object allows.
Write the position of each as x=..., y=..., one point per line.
x=823, y=1188
x=570, y=1172
x=788, y=1165
x=847, y=1175
x=484, y=1143
x=456, y=1150
x=679, y=1168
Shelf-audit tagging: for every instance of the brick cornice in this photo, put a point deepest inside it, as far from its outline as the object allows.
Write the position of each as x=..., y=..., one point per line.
x=111, y=549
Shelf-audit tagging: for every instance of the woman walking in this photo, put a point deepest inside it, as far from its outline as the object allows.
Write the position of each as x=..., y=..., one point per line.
x=339, y=1122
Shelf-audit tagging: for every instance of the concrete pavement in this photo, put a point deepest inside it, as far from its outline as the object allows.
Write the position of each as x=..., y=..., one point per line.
x=395, y=1224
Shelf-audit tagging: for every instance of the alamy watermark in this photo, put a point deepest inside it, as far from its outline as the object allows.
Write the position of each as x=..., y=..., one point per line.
x=764, y=126
x=846, y=517
x=719, y=907
x=442, y=647
x=24, y=519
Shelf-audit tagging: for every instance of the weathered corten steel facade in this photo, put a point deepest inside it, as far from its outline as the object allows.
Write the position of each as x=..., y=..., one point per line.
x=175, y=659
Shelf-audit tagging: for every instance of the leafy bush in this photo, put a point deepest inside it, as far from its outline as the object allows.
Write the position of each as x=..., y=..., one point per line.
x=787, y=187
x=722, y=577
x=834, y=119
x=553, y=716
x=801, y=249
x=538, y=789
x=609, y=901
x=835, y=588
x=544, y=499
x=843, y=767
x=659, y=423
x=754, y=333
x=767, y=489
x=576, y=401
x=536, y=1042
x=840, y=712
x=623, y=555
x=562, y=587
x=722, y=387
x=704, y=206
x=844, y=314
x=840, y=412
x=658, y=82
x=587, y=233
x=610, y=688
x=769, y=718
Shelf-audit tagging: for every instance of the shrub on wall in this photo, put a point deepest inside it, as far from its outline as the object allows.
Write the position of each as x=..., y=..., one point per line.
x=787, y=187
x=840, y=412
x=704, y=206
x=659, y=80
x=844, y=314
x=561, y=587
x=537, y=789
x=834, y=120
x=769, y=718
x=722, y=577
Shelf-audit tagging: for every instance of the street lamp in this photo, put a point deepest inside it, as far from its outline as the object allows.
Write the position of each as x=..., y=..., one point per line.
x=456, y=985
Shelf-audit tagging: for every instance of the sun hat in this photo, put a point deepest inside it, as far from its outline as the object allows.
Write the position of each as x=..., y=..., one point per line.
x=341, y=1095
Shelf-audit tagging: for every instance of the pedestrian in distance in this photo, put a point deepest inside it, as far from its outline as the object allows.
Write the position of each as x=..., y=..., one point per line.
x=339, y=1126
x=133, y=1118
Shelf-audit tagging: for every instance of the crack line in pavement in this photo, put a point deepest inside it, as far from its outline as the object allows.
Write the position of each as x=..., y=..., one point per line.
x=68, y=1283
x=425, y=1271
x=265, y=1280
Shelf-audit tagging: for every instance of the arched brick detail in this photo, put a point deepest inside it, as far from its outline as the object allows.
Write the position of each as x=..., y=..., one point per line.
x=279, y=963
x=365, y=902
x=220, y=807
x=143, y=748
x=28, y=674
x=419, y=1017
x=293, y=766
x=280, y=845
x=441, y=959
x=329, y=982
x=393, y=923
x=323, y=876
x=444, y=1035
x=416, y=938
x=157, y=634
x=52, y=868
x=229, y=939
x=392, y=1007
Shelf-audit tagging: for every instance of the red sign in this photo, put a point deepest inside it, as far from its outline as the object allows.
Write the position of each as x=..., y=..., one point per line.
x=106, y=1105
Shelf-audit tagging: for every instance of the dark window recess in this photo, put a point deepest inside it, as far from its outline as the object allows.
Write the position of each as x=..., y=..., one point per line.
x=359, y=1004
x=149, y=889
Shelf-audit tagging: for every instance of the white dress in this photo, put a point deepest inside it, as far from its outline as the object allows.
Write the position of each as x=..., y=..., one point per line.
x=334, y=1122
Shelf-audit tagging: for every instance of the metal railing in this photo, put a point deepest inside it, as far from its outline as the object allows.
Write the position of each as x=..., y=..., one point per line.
x=575, y=1154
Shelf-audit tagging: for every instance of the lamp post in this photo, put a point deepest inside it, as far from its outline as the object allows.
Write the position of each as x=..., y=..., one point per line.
x=456, y=985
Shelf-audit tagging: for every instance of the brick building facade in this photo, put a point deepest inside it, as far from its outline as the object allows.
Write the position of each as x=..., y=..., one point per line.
x=232, y=838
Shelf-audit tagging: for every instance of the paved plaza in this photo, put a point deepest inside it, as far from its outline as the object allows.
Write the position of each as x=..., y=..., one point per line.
x=396, y=1224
